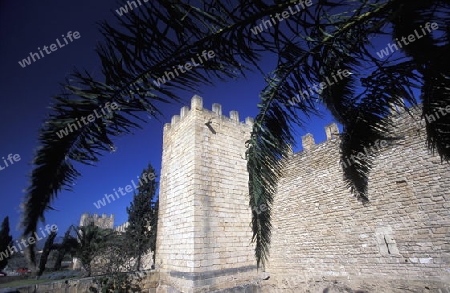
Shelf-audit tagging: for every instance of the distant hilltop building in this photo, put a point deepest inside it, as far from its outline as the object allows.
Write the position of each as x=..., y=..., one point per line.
x=102, y=221
x=105, y=222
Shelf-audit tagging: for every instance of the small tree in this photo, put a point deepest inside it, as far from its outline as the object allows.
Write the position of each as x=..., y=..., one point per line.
x=142, y=217
x=92, y=241
x=154, y=229
x=45, y=252
x=69, y=244
x=5, y=241
x=119, y=257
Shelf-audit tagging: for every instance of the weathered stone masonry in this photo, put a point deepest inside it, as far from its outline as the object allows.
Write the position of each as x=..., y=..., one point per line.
x=401, y=236
x=102, y=221
x=203, y=231
x=399, y=241
x=323, y=240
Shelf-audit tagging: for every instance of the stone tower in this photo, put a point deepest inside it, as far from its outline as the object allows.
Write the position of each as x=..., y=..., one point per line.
x=104, y=221
x=204, y=233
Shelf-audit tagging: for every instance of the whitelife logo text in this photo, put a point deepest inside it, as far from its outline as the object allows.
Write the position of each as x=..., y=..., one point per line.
x=108, y=197
x=11, y=158
x=411, y=38
x=319, y=87
x=124, y=9
x=170, y=74
x=376, y=147
x=14, y=248
x=265, y=24
x=36, y=56
x=90, y=118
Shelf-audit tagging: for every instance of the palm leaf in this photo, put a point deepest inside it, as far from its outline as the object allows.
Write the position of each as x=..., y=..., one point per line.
x=310, y=45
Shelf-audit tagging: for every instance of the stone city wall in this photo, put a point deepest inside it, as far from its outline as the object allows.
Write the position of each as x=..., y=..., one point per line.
x=400, y=240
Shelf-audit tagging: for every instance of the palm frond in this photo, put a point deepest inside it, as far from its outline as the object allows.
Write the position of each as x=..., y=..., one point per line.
x=302, y=65
x=311, y=46
x=430, y=54
x=133, y=56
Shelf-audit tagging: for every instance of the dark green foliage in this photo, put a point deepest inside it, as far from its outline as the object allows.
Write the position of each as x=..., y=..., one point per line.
x=108, y=247
x=117, y=254
x=5, y=241
x=154, y=228
x=92, y=242
x=142, y=217
x=68, y=245
x=45, y=252
x=133, y=92
x=310, y=46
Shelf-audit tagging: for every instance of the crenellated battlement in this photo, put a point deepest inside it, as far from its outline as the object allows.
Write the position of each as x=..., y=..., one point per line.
x=403, y=122
x=203, y=198
x=331, y=130
x=103, y=221
x=122, y=228
x=197, y=105
x=318, y=227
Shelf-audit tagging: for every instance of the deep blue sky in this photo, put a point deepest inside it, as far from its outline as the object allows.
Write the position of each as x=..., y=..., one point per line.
x=26, y=94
